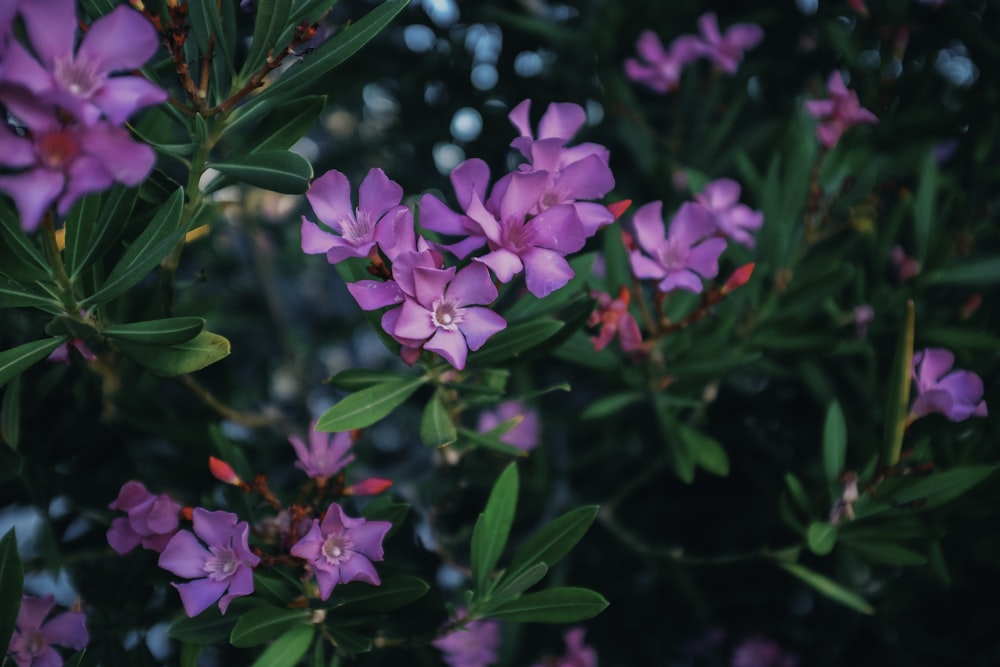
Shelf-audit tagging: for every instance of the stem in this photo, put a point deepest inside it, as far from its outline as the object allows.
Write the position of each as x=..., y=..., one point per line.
x=56, y=262
x=249, y=420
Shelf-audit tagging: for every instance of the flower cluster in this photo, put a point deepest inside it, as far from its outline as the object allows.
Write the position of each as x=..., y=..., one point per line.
x=839, y=112
x=69, y=107
x=33, y=638
x=476, y=644
x=956, y=394
x=660, y=68
x=151, y=520
x=527, y=222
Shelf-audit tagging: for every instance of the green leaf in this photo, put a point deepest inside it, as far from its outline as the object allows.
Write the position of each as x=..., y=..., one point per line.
x=10, y=425
x=288, y=649
x=82, y=220
x=509, y=588
x=19, y=258
x=798, y=492
x=15, y=295
x=679, y=448
x=888, y=553
x=394, y=592
x=261, y=625
x=707, y=451
x=553, y=605
x=941, y=487
x=829, y=588
x=491, y=442
x=203, y=350
x=349, y=641
x=436, y=427
x=898, y=401
x=207, y=627
x=821, y=537
x=925, y=206
x=834, y=442
x=11, y=585
x=148, y=250
x=554, y=540
x=974, y=272
x=514, y=341
x=278, y=171
x=190, y=653
x=354, y=379
x=489, y=537
x=281, y=127
x=270, y=19
x=101, y=232
x=610, y=405
x=18, y=359
x=170, y=331
x=365, y=407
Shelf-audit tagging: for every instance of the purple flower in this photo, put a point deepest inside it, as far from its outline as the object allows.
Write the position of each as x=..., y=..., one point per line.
x=761, y=652
x=60, y=355
x=31, y=643
x=612, y=316
x=577, y=653
x=60, y=163
x=341, y=549
x=524, y=435
x=326, y=455
x=150, y=521
x=957, y=395
x=839, y=112
x=660, y=69
x=474, y=645
x=378, y=219
x=222, y=571
x=734, y=220
x=903, y=265
x=469, y=179
x=863, y=316
x=79, y=81
x=443, y=313
x=682, y=257
x=726, y=51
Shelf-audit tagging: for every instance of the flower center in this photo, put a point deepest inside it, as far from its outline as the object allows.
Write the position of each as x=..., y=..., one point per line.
x=521, y=236
x=56, y=149
x=445, y=314
x=336, y=547
x=34, y=643
x=78, y=77
x=672, y=255
x=360, y=228
x=221, y=564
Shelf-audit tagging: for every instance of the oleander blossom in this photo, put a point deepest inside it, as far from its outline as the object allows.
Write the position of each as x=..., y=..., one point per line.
x=474, y=645
x=326, y=455
x=524, y=435
x=956, y=394
x=577, y=653
x=726, y=51
x=151, y=520
x=33, y=638
x=612, y=317
x=733, y=220
x=682, y=257
x=658, y=68
x=220, y=569
x=839, y=112
x=340, y=549
x=758, y=651
x=79, y=80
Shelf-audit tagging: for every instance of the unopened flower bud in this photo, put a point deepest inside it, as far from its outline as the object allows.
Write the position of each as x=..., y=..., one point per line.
x=739, y=278
x=224, y=472
x=618, y=208
x=369, y=487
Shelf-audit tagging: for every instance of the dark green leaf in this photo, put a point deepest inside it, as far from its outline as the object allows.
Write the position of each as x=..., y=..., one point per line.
x=19, y=258
x=489, y=442
x=101, y=233
x=821, y=537
x=261, y=625
x=349, y=641
x=974, y=272
x=898, y=401
x=509, y=588
x=679, y=449
x=282, y=127
x=354, y=379
x=207, y=627
x=170, y=331
x=204, y=349
x=798, y=492
x=394, y=592
x=925, y=206
x=829, y=588
x=22, y=357
x=383, y=509
x=10, y=425
x=288, y=649
x=270, y=19
x=888, y=553
x=489, y=537
x=436, y=427
x=941, y=487
x=514, y=341
x=83, y=218
x=15, y=295
x=554, y=605
x=834, y=442
x=11, y=585
x=553, y=541
x=274, y=587
x=610, y=405
x=707, y=451
x=278, y=171
x=365, y=407
x=148, y=250
x=190, y=653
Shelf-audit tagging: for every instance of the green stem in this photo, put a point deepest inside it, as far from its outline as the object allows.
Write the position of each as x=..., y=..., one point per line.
x=56, y=262
x=897, y=408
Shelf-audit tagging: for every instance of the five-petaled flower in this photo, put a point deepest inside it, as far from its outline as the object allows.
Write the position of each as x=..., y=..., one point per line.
x=152, y=520
x=659, y=68
x=33, y=638
x=612, y=316
x=733, y=219
x=839, y=112
x=683, y=256
x=221, y=571
x=326, y=455
x=957, y=394
x=474, y=645
x=577, y=653
x=340, y=549
x=726, y=50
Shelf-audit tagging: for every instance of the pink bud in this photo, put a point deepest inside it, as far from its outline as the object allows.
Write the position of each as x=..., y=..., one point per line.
x=739, y=278
x=619, y=207
x=224, y=472
x=369, y=487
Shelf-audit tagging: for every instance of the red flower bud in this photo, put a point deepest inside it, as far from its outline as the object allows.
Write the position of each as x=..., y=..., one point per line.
x=224, y=472
x=619, y=207
x=369, y=487
x=739, y=278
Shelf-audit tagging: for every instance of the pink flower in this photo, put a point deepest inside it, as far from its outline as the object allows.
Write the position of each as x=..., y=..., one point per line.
x=612, y=316
x=326, y=455
x=32, y=641
x=60, y=355
x=150, y=521
x=727, y=50
x=577, y=653
x=658, y=68
x=474, y=645
x=680, y=258
x=839, y=112
x=524, y=435
x=341, y=549
x=957, y=395
x=733, y=220
x=760, y=652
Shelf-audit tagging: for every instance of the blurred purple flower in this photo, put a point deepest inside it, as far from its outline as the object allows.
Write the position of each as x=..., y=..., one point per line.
x=864, y=315
x=32, y=641
x=682, y=257
x=378, y=219
x=957, y=395
x=79, y=81
x=660, y=69
x=760, y=652
x=61, y=163
x=151, y=520
x=734, y=220
x=222, y=571
x=326, y=455
x=475, y=645
x=341, y=549
x=839, y=112
x=524, y=435
x=577, y=653
x=60, y=355
x=727, y=50
x=445, y=314
x=612, y=316
x=905, y=266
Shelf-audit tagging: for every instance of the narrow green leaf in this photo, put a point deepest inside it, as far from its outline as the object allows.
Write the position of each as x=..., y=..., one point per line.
x=364, y=408
x=354, y=379
x=10, y=426
x=553, y=541
x=170, y=331
x=261, y=625
x=798, y=492
x=278, y=171
x=288, y=649
x=15, y=295
x=888, y=553
x=941, y=487
x=975, y=272
x=829, y=588
x=489, y=537
x=514, y=341
x=82, y=219
x=394, y=592
x=925, y=206
x=152, y=245
x=100, y=233
x=349, y=641
x=436, y=427
x=679, y=449
x=610, y=405
x=282, y=127
x=490, y=442
x=19, y=258
x=707, y=451
x=834, y=442
x=22, y=357
x=509, y=588
x=11, y=585
x=553, y=605
x=270, y=19
x=206, y=628
x=821, y=537
x=190, y=653
x=203, y=350
x=898, y=400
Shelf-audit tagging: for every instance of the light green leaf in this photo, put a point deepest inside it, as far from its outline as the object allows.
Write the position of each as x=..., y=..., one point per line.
x=170, y=331
x=489, y=537
x=553, y=605
x=261, y=625
x=436, y=427
x=898, y=401
x=11, y=585
x=278, y=171
x=203, y=350
x=821, y=537
x=834, y=442
x=288, y=649
x=490, y=442
x=829, y=588
x=364, y=408
x=22, y=357
x=707, y=451
x=553, y=541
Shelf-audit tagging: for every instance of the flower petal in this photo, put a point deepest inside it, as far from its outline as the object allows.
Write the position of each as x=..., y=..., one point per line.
x=545, y=271
x=359, y=568
x=33, y=192
x=51, y=26
x=33, y=611
x=215, y=528
x=330, y=198
x=121, y=40
x=198, y=595
x=68, y=629
x=479, y=325
x=184, y=555
x=472, y=285
x=451, y=345
x=378, y=194
x=122, y=96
